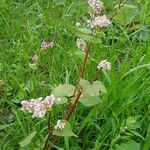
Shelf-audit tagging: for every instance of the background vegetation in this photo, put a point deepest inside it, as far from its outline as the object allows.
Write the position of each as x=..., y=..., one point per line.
x=122, y=120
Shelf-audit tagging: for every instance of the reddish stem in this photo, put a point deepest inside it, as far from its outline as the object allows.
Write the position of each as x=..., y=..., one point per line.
x=70, y=110
x=72, y=107
x=82, y=70
x=67, y=116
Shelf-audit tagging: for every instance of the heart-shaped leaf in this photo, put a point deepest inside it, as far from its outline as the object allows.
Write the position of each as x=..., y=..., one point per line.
x=88, y=100
x=98, y=86
x=28, y=139
x=62, y=101
x=63, y=90
x=66, y=131
x=92, y=89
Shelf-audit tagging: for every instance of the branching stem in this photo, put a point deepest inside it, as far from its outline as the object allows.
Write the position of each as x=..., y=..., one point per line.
x=72, y=107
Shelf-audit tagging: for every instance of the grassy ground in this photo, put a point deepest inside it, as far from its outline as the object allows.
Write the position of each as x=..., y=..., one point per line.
x=123, y=115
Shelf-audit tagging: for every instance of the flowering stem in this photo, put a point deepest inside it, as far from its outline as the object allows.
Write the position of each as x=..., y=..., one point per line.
x=83, y=69
x=72, y=107
x=84, y=64
x=67, y=117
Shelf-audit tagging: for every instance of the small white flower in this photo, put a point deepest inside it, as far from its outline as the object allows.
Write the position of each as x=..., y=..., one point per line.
x=88, y=21
x=60, y=125
x=46, y=45
x=35, y=58
x=81, y=44
x=96, y=5
x=39, y=114
x=104, y=64
x=49, y=100
x=100, y=21
x=40, y=98
x=78, y=24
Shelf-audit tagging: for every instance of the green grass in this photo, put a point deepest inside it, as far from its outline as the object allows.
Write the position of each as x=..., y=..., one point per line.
x=25, y=23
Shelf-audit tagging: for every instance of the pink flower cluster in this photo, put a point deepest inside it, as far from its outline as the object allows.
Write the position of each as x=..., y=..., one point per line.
x=96, y=5
x=81, y=44
x=46, y=45
x=100, y=21
x=39, y=106
x=60, y=125
x=104, y=64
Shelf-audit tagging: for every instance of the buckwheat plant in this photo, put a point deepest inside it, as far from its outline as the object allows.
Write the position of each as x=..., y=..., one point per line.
x=85, y=92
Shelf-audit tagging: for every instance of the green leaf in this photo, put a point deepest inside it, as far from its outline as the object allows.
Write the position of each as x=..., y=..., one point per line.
x=127, y=14
x=29, y=86
x=84, y=34
x=80, y=54
x=63, y=100
x=63, y=90
x=84, y=83
x=136, y=68
x=67, y=131
x=28, y=139
x=33, y=66
x=147, y=140
x=88, y=100
x=132, y=123
x=20, y=94
x=85, y=30
x=98, y=86
x=137, y=134
x=59, y=2
x=128, y=146
x=92, y=89
x=143, y=34
x=3, y=127
x=127, y=6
